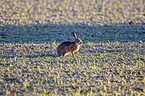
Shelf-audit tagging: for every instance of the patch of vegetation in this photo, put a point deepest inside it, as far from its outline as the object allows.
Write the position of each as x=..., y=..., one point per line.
x=110, y=62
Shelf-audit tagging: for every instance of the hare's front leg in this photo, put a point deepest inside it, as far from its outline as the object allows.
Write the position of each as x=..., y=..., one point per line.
x=73, y=54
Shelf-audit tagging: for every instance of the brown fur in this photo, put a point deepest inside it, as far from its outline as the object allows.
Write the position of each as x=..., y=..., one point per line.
x=69, y=46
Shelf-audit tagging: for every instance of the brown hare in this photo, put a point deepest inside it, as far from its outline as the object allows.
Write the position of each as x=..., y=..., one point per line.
x=69, y=47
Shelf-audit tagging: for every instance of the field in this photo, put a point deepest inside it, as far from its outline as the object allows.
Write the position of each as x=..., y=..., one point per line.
x=111, y=60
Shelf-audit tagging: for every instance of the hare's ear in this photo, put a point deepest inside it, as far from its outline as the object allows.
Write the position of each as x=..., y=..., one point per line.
x=74, y=35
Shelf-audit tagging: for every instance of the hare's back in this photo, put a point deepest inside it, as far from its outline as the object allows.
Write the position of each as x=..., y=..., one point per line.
x=64, y=44
x=64, y=47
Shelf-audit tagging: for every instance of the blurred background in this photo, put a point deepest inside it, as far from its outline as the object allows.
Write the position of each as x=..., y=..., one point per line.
x=71, y=12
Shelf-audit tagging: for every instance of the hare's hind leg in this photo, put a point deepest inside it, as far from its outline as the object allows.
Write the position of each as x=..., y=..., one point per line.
x=67, y=54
